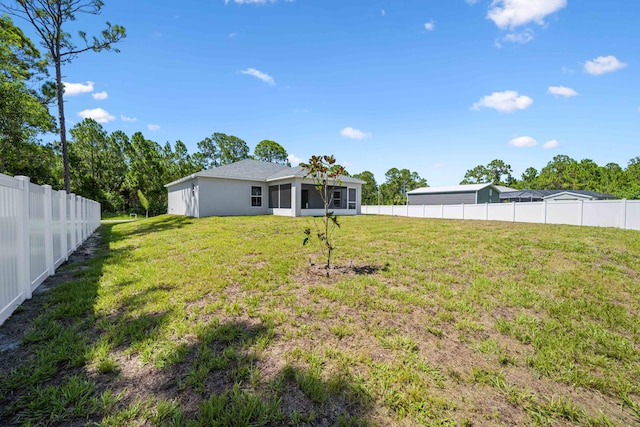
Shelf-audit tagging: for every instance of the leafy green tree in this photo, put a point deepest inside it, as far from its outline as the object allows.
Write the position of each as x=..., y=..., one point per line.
x=86, y=148
x=326, y=175
x=557, y=174
x=497, y=172
x=399, y=181
x=221, y=149
x=613, y=179
x=23, y=113
x=146, y=173
x=271, y=151
x=370, y=192
x=144, y=202
x=528, y=180
x=51, y=19
x=632, y=173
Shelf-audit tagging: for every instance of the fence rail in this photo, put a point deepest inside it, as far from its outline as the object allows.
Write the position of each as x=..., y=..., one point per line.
x=599, y=213
x=39, y=229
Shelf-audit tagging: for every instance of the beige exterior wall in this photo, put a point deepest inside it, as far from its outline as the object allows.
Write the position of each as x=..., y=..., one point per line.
x=183, y=198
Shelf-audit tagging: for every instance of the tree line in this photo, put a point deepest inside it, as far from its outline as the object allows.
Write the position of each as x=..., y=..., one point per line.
x=561, y=173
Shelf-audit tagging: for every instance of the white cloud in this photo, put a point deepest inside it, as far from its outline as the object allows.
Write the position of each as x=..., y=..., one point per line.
x=153, y=127
x=438, y=165
x=567, y=92
x=567, y=70
x=523, y=141
x=523, y=37
x=603, y=65
x=99, y=96
x=295, y=161
x=551, y=144
x=260, y=75
x=430, y=26
x=232, y=35
x=515, y=13
x=505, y=102
x=382, y=12
x=73, y=89
x=97, y=114
x=128, y=119
x=352, y=133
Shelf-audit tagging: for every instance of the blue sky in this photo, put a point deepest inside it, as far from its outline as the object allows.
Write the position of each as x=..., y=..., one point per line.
x=437, y=86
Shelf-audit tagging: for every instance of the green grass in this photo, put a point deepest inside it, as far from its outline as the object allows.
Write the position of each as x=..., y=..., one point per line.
x=221, y=321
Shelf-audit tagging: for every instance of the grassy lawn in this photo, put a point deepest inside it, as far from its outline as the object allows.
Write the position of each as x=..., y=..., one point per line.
x=223, y=321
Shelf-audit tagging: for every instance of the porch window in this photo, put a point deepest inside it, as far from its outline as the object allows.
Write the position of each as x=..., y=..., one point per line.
x=336, y=198
x=352, y=198
x=256, y=196
x=280, y=196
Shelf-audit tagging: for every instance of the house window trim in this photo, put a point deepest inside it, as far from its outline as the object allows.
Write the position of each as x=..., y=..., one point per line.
x=257, y=197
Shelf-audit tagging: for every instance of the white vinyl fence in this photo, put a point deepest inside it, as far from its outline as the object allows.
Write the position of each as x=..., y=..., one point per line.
x=39, y=229
x=599, y=213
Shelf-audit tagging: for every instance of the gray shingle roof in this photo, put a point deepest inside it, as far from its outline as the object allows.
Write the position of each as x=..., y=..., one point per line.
x=254, y=170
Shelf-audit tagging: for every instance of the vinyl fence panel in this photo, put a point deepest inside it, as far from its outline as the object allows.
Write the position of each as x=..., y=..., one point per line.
x=599, y=213
x=39, y=229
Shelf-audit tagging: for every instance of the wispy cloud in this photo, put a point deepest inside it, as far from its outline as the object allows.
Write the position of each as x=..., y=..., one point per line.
x=73, y=89
x=153, y=127
x=430, y=26
x=557, y=91
x=504, y=102
x=515, y=13
x=259, y=75
x=97, y=114
x=523, y=141
x=128, y=119
x=523, y=37
x=551, y=144
x=603, y=65
x=382, y=12
x=99, y=96
x=295, y=161
x=352, y=133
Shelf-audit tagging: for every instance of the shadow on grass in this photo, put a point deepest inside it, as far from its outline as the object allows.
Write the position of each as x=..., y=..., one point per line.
x=153, y=225
x=75, y=366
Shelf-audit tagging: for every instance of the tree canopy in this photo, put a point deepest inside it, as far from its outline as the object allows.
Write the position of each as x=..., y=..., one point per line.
x=271, y=151
x=50, y=19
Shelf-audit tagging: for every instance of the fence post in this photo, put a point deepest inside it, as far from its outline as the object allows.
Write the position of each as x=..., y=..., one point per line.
x=513, y=212
x=78, y=221
x=63, y=224
x=72, y=221
x=441, y=211
x=24, y=256
x=463, y=211
x=424, y=210
x=581, y=212
x=48, y=230
x=486, y=211
x=624, y=214
x=544, y=212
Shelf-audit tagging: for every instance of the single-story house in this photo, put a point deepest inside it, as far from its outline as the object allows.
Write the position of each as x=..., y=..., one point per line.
x=252, y=187
x=550, y=195
x=454, y=195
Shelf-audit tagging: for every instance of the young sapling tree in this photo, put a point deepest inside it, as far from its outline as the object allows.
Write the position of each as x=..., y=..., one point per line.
x=326, y=175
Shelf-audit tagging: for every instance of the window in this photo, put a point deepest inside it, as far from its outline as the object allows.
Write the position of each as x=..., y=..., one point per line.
x=336, y=198
x=351, y=203
x=280, y=196
x=256, y=197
